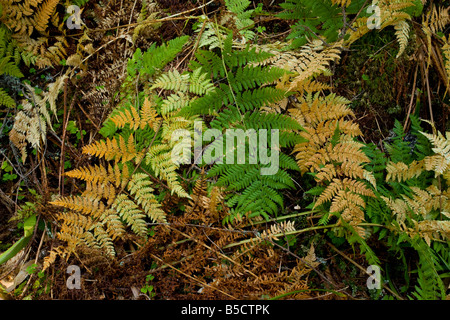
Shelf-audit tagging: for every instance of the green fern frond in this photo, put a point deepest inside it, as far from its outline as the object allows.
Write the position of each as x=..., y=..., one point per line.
x=140, y=187
x=6, y=100
x=131, y=214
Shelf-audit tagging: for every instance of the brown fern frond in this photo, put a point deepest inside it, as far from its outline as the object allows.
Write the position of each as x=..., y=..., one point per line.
x=438, y=18
x=43, y=14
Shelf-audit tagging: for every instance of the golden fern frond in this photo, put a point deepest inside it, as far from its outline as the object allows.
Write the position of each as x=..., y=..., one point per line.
x=86, y=205
x=310, y=86
x=349, y=204
x=137, y=118
x=99, y=174
x=115, y=148
x=401, y=172
x=346, y=184
x=100, y=190
x=391, y=14
x=351, y=169
x=76, y=220
x=434, y=230
x=314, y=59
x=399, y=208
x=129, y=117
x=309, y=108
x=54, y=253
x=424, y=201
x=96, y=174
x=149, y=116
x=43, y=14
x=421, y=204
x=437, y=163
x=326, y=173
x=441, y=144
x=349, y=152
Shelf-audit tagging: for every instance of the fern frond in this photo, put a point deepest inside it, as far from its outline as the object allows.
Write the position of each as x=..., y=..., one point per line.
x=402, y=34
x=43, y=14
x=161, y=161
x=140, y=187
x=9, y=68
x=115, y=148
x=172, y=80
x=6, y=100
x=86, y=205
x=401, y=172
x=131, y=214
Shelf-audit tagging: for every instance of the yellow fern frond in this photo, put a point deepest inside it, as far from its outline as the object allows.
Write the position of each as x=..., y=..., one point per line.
x=434, y=230
x=54, y=253
x=43, y=14
x=314, y=59
x=115, y=148
x=402, y=34
x=310, y=108
x=127, y=117
x=85, y=205
x=401, y=172
x=349, y=152
x=350, y=205
x=347, y=185
x=95, y=174
x=149, y=116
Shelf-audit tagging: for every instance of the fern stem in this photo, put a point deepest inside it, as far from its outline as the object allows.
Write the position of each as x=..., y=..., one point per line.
x=282, y=234
x=283, y=217
x=302, y=231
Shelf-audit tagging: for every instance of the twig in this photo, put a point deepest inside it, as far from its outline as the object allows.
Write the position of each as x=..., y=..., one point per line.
x=412, y=99
x=191, y=277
